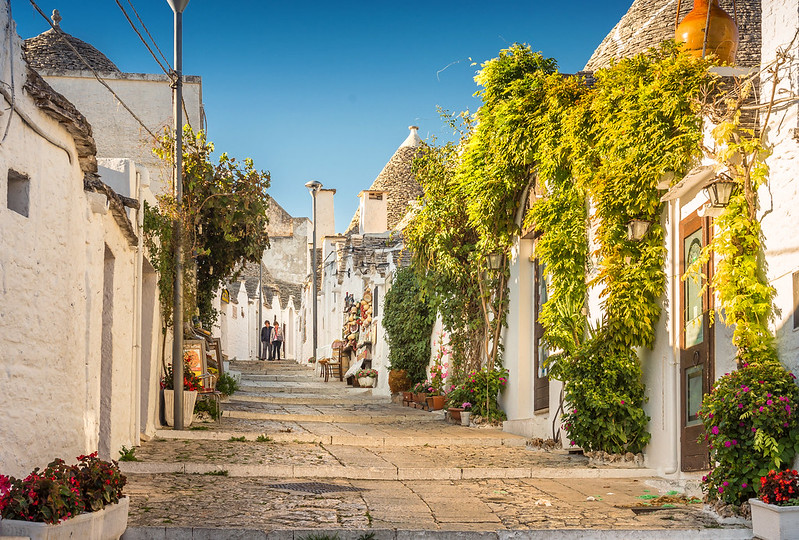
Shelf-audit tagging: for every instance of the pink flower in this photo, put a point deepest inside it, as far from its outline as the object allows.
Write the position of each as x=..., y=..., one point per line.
x=622, y=402
x=744, y=485
x=714, y=430
x=727, y=444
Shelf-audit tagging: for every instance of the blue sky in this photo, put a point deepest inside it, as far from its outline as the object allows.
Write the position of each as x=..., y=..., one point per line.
x=326, y=90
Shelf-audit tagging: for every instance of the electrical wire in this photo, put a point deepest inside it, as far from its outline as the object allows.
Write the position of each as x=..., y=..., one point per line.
x=96, y=75
x=11, y=68
x=149, y=34
x=169, y=72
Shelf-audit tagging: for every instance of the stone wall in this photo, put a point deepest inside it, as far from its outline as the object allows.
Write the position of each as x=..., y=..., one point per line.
x=117, y=133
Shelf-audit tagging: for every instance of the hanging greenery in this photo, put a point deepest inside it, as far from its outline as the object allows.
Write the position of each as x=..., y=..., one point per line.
x=223, y=220
x=603, y=147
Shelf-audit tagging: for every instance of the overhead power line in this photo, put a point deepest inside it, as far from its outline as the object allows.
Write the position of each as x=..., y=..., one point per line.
x=169, y=72
x=149, y=34
x=96, y=75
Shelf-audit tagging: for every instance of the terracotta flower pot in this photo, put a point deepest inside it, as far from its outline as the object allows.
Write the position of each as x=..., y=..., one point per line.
x=455, y=413
x=722, y=33
x=435, y=403
x=420, y=398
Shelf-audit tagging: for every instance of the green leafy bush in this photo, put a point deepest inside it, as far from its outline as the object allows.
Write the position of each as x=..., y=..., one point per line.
x=751, y=427
x=481, y=388
x=208, y=406
x=605, y=397
x=227, y=384
x=408, y=320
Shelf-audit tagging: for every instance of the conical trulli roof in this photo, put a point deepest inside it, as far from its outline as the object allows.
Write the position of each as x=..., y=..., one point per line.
x=49, y=50
x=397, y=179
x=650, y=22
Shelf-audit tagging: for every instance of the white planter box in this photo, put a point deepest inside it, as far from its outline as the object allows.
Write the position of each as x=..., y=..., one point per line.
x=772, y=522
x=366, y=382
x=106, y=524
x=189, y=399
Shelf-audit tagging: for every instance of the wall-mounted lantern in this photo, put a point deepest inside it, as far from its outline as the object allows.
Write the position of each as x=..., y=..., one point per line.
x=494, y=260
x=720, y=191
x=636, y=229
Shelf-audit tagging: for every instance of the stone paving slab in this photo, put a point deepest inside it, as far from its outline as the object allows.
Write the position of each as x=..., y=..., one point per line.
x=492, y=506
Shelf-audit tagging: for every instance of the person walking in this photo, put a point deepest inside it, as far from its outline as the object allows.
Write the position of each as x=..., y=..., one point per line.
x=266, y=341
x=277, y=340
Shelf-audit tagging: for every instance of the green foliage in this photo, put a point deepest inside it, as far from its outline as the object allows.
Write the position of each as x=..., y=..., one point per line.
x=128, y=454
x=223, y=219
x=645, y=122
x=263, y=438
x=238, y=439
x=408, y=320
x=443, y=246
x=227, y=384
x=208, y=406
x=605, y=395
x=751, y=426
x=481, y=388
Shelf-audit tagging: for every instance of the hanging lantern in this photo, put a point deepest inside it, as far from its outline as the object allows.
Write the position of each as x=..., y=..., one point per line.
x=720, y=191
x=636, y=229
x=708, y=29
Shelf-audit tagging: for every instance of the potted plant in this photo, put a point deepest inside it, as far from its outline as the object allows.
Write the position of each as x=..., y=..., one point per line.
x=65, y=501
x=191, y=384
x=466, y=413
x=458, y=394
x=420, y=392
x=438, y=373
x=775, y=513
x=366, y=377
x=398, y=381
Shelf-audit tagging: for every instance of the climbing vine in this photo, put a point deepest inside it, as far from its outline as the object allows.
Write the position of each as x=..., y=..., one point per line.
x=408, y=320
x=577, y=147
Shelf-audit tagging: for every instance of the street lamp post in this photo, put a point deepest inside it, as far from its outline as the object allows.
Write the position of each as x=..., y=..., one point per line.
x=177, y=308
x=314, y=187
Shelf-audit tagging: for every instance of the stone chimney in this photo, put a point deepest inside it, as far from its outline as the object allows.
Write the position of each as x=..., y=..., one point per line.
x=374, y=211
x=325, y=217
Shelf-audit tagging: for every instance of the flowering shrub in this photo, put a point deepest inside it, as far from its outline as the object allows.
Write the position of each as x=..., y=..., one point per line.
x=605, y=395
x=366, y=373
x=61, y=491
x=101, y=482
x=190, y=379
x=480, y=389
x=438, y=371
x=421, y=387
x=780, y=488
x=466, y=406
x=751, y=427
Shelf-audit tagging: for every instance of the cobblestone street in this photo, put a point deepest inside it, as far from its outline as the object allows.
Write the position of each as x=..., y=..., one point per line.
x=293, y=455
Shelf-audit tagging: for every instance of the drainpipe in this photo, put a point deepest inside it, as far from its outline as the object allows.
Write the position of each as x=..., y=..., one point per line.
x=137, y=301
x=673, y=374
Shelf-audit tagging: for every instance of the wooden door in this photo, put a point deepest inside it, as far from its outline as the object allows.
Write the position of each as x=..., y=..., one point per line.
x=696, y=344
x=541, y=384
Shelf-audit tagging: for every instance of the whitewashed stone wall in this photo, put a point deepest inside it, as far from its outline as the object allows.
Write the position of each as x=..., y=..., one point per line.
x=60, y=393
x=117, y=133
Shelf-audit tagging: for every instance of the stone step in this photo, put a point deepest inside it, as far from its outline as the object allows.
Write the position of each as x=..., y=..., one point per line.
x=466, y=440
x=306, y=399
x=375, y=473
x=329, y=418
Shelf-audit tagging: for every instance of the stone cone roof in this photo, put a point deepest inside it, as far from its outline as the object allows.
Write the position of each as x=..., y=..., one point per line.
x=49, y=51
x=650, y=22
x=397, y=179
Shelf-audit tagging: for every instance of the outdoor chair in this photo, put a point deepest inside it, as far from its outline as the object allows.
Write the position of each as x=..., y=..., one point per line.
x=208, y=391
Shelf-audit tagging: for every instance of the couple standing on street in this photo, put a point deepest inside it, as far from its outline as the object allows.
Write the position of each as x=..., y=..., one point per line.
x=271, y=341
